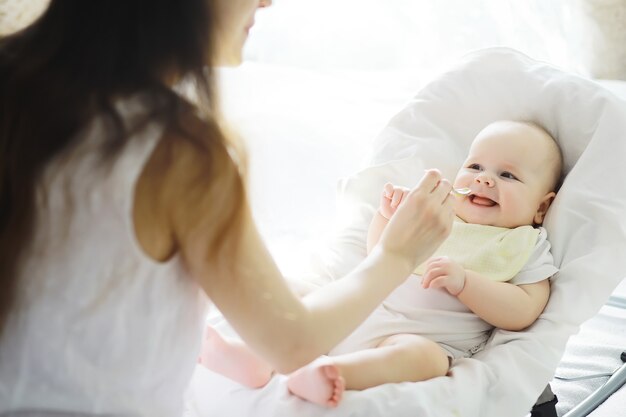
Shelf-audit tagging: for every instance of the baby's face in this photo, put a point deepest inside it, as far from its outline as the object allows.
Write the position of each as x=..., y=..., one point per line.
x=507, y=172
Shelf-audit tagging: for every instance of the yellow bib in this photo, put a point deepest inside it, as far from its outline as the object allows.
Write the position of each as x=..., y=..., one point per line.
x=497, y=253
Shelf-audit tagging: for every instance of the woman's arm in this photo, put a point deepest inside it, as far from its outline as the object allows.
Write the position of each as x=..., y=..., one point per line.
x=251, y=292
x=376, y=228
x=301, y=287
x=286, y=330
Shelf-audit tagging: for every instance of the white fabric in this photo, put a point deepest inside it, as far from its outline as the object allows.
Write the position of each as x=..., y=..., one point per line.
x=540, y=264
x=586, y=226
x=437, y=315
x=100, y=327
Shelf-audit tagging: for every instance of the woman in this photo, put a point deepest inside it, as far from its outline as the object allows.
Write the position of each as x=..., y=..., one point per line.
x=121, y=203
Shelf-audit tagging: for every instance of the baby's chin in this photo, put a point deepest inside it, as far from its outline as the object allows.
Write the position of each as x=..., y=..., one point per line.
x=487, y=222
x=474, y=219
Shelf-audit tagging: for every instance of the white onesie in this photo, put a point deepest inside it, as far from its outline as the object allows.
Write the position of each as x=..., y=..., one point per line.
x=437, y=315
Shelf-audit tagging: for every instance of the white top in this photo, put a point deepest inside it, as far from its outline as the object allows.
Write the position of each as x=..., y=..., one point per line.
x=99, y=327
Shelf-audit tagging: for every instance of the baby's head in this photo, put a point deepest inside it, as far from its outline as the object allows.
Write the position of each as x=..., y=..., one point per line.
x=513, y=169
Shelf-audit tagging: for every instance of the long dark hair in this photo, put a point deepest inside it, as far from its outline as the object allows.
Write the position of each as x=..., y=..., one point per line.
x=70, y=65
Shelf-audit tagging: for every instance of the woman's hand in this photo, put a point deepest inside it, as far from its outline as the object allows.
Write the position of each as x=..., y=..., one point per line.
x=443, y=272
x=420, y=222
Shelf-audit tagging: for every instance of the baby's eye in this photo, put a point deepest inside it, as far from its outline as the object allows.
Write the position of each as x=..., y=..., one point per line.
x=508, y=175
x=475, y=167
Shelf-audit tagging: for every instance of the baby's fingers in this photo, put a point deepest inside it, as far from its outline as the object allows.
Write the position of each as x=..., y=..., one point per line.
x=388, y=190
x=430, y=275
x=434, y=261
x=439, y=282
x=396, y=198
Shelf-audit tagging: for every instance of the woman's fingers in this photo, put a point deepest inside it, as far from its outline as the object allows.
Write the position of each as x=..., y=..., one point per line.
x=432, y=183
x=429, y=181
x=442, y=190
x=448, y=203
x=422, y=220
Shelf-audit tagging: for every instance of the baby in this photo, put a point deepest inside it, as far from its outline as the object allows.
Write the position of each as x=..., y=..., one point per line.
x=491, y=272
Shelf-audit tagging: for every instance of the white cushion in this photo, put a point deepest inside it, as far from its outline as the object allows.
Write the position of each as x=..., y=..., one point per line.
x=586, y=226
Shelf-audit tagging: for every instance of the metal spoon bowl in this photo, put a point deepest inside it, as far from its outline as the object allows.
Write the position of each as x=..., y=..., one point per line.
x=461, y=191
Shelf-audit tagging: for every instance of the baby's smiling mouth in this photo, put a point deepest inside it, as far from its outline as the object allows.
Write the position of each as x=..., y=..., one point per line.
x=482, y=201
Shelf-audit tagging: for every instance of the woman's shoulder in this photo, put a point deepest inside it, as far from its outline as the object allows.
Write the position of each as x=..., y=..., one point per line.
x=177, y=186
x=190, y=148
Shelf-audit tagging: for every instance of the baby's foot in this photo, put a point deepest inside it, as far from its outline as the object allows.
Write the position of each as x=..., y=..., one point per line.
x=319, y=382
x=233, y=359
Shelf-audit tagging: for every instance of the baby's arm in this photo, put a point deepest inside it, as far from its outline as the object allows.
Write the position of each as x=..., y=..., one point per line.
x=504, y=305
x=390, y=200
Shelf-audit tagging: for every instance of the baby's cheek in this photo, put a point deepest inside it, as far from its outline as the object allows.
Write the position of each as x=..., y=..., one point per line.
x=516, y=212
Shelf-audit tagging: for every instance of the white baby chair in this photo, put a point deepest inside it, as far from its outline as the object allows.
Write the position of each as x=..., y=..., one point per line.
x=586, y=227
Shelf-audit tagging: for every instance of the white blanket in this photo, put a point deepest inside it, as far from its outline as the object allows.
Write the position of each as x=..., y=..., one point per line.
x=586, y=226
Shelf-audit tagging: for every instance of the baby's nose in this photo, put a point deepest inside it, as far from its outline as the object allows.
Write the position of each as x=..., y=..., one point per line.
x=484, y=179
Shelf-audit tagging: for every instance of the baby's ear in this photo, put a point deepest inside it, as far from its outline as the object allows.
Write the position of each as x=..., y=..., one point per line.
x=544, y=205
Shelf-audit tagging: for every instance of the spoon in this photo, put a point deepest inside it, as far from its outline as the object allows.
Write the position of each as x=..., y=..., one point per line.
x=461, y=191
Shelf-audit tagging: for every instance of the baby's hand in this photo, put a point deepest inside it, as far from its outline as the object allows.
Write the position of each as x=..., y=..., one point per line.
x=391, y=199
x=443, y=272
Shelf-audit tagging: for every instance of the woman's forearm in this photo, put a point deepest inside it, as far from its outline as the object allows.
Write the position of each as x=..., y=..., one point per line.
x=375, y=230
x=288, y=331
x=352, y=298
x=363, y=289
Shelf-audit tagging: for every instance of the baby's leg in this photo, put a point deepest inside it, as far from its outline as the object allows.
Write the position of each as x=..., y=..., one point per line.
x=399, y=358
x=233, y=359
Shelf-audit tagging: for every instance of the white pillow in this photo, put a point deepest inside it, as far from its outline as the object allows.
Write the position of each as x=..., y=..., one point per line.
x=586, y=224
